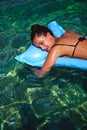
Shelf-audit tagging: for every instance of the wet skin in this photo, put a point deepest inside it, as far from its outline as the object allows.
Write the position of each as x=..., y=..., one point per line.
x=45, y=42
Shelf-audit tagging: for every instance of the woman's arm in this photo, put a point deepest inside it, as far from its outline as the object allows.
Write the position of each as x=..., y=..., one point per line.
x=50, y=61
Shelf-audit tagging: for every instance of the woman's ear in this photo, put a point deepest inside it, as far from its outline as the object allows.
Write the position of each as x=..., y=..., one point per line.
x=48, y=34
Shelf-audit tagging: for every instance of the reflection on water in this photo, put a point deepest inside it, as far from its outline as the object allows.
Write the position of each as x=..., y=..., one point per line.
x=55, y=102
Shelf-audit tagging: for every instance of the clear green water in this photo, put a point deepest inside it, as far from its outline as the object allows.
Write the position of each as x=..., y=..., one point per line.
x=59, y=100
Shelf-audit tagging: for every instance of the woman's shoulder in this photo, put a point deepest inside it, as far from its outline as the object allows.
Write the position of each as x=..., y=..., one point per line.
x=70, y=31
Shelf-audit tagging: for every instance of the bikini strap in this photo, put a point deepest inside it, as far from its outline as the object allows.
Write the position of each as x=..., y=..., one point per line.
x=61, y=45
x=80, y=39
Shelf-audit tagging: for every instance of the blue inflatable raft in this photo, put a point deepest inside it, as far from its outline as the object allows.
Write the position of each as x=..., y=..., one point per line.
x=36, y=57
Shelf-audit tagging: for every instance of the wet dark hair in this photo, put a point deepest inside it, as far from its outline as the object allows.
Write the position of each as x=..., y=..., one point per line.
x=39, y=30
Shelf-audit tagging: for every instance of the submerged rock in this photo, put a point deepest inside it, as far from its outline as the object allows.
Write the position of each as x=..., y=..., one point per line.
x=55, y=103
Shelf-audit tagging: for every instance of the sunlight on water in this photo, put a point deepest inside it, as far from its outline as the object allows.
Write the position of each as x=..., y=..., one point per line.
x=59, y=100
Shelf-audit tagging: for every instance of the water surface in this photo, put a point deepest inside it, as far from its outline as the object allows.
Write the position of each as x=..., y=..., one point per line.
x=59, y=100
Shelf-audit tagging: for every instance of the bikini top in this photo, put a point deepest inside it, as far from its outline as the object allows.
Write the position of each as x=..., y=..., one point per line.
x=75, y=45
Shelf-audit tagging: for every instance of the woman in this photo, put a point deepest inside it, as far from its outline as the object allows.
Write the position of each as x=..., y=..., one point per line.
x=69, y=44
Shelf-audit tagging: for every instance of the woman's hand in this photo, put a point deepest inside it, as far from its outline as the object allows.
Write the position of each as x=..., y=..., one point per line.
x=38, y=72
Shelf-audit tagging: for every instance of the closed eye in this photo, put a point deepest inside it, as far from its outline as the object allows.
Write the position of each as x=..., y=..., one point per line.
x=41, y=43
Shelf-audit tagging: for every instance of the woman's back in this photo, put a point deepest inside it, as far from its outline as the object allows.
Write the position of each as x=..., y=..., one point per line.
x=72, y=45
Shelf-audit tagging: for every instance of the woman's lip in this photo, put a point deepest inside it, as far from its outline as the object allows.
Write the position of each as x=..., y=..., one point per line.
x=47, y=49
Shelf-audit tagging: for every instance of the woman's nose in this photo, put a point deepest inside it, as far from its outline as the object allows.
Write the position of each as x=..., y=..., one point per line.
x=43, y=47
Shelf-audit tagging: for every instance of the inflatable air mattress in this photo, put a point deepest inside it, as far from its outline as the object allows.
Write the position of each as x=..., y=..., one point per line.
x=36, y=57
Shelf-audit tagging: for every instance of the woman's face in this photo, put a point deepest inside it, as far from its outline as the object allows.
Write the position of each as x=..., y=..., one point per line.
x=44, y=42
